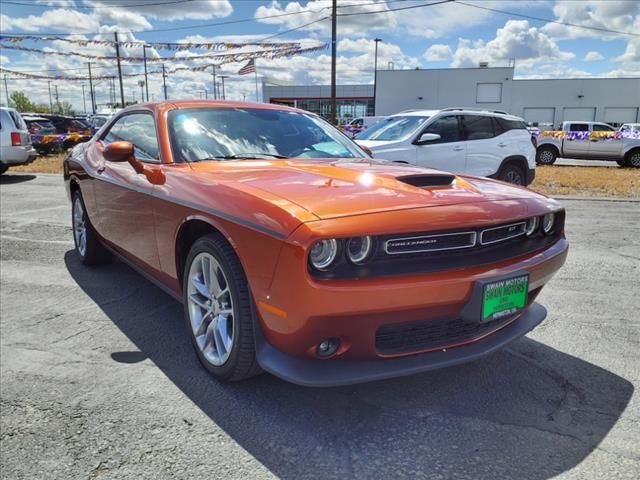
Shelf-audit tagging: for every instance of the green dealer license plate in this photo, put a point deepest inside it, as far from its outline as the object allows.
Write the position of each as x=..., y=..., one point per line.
x=504, y=297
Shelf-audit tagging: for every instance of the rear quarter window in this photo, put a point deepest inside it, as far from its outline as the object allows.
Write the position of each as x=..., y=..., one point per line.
x=505, y=124
x=17, y=120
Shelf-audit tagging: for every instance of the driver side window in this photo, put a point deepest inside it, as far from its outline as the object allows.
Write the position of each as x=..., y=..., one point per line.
x=138, y=129
x=447, y=127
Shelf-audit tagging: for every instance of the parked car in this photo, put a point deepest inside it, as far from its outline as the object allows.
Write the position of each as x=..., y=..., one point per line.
x=43, y=134
x=588, y=141
x=464, y=141
x=630, y=127
x=295, y=253
x=77, y=130
x=15, y=143
x=97, y=121
x=360, y=124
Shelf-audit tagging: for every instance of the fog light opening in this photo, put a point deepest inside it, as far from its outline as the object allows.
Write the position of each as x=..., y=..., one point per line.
x=328, y=347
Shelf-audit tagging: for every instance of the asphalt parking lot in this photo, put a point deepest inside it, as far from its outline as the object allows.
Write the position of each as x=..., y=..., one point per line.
x=98, y=379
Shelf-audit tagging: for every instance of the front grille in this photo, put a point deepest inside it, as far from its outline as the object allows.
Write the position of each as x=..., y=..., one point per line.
x=425, y=335
x=430, y=243
x=502, y=233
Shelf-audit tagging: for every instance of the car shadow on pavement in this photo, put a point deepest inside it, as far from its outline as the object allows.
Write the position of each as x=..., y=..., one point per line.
x=8, y=179
x=529, y=411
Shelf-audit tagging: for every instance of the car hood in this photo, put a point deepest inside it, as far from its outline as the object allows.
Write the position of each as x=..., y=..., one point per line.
x=330, y=188
x=377, y=144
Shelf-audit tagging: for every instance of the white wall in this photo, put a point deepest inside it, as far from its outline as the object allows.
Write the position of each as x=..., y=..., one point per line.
x=410, y=89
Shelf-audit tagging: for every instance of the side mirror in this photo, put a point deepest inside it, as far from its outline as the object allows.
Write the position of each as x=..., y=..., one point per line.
x=122, y=152
x=426, y=138
x=118, y=152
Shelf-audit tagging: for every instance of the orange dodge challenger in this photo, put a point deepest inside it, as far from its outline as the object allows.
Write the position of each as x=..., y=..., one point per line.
x=295, y=253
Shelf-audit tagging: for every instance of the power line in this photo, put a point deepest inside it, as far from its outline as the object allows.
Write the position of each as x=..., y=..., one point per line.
x=540, y=19
x=89, y=7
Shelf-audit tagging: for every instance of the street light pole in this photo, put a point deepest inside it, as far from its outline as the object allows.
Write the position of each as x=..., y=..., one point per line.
x=91, y=92
x=375, y=74
x=213, y=72
x=164, y=81
x=224, y=97
x=50, y=100
x=115, y=34
x=142, y=83
x=334, y=25
x=84, y=101
x=146, y=80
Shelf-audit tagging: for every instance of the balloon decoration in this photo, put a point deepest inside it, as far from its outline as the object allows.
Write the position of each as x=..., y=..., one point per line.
x=562, y=135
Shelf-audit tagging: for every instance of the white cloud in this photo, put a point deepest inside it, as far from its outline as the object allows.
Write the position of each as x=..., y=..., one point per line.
x=164, y=10
x=593, y=56
x=438, y=53
x=4, y=60
x=516, y=40
x=427, y=22
x=617, y=15
x=60, y=19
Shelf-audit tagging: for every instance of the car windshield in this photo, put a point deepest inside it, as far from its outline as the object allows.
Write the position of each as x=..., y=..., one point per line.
x=393, y=128
x=241, y=133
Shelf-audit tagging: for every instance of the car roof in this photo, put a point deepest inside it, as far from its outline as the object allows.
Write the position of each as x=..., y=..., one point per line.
x=166, y=105
x=30, y=118
x=431, y=113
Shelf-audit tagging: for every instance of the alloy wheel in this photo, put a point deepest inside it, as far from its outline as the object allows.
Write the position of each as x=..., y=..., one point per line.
x=211, y=313
x=79, y=226
x=634, y=160
x=512, y=176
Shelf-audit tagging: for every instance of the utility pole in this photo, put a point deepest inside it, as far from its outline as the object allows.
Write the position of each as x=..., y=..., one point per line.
x=91, y=92
x=142, y=83
x=213, y=72
x=6, y=91
x=115, y=34
x=50, y=101
x=224, y=97
x=334, y=24
x=146, y=80
x=164, y=81
x=84, y=101
x=57, y=97
x=375, y=74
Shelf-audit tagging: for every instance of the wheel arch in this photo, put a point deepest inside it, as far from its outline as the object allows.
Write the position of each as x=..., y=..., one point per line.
x=631, y=151
x=518, y=160
x=189, y=231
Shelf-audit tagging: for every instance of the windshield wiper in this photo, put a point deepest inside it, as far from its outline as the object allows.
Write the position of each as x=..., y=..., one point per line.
x=242, y=156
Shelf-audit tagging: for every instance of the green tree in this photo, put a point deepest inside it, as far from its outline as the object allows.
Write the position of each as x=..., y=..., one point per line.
x=66, y=108
x=41, y=108
x=21, y=102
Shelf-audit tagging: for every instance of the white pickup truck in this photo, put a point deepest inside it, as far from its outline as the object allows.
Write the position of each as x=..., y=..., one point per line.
x=589, y=141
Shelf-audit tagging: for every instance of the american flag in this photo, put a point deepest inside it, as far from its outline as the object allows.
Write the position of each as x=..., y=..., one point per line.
x=250, y=67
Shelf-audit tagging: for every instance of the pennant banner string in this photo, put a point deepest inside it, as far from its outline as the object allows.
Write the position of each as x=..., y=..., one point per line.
x=157, y=45
x=209, y=56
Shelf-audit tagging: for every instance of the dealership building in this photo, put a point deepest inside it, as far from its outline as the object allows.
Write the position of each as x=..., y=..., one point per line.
x=543, y=102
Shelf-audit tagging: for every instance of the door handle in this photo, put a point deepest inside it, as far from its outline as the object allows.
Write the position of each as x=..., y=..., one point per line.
x=458, y=149
x=502, y=144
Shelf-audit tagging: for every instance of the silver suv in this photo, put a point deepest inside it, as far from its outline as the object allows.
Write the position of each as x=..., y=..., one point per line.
x=15, y=142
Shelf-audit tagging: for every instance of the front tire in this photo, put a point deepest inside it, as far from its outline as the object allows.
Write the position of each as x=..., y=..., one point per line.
x=546, y=156
x=632, y=159
x=218, y=310
x=512, y=173
x=622, y=162
x=88, y=247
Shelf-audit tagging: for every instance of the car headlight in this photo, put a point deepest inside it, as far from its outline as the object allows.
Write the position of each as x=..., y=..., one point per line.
x=324, y=253
x=532, y=226
x=548, y=222
x=359, y=249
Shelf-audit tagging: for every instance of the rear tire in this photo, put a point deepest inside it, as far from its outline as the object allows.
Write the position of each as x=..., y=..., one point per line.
x=3, y=168
x=514, y=174
x=85, y=239
x=546, y=156
x=632, y=159
x=218, y=310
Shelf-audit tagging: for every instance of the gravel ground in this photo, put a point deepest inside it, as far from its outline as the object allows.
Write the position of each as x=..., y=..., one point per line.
x=98, y=379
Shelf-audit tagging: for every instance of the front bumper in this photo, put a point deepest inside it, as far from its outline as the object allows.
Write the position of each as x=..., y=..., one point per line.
x=336, y=372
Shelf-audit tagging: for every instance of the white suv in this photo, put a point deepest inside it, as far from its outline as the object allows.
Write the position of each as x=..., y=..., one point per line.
x=15, y=142
x=464, y=141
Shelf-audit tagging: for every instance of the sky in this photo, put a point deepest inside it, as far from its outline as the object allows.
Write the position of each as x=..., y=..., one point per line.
x=542, y=37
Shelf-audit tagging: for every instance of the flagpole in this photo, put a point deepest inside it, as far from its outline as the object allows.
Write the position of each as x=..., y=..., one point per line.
x=255, y=71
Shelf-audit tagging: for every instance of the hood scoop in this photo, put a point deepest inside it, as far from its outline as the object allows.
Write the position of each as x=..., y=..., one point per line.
x=428, y=180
